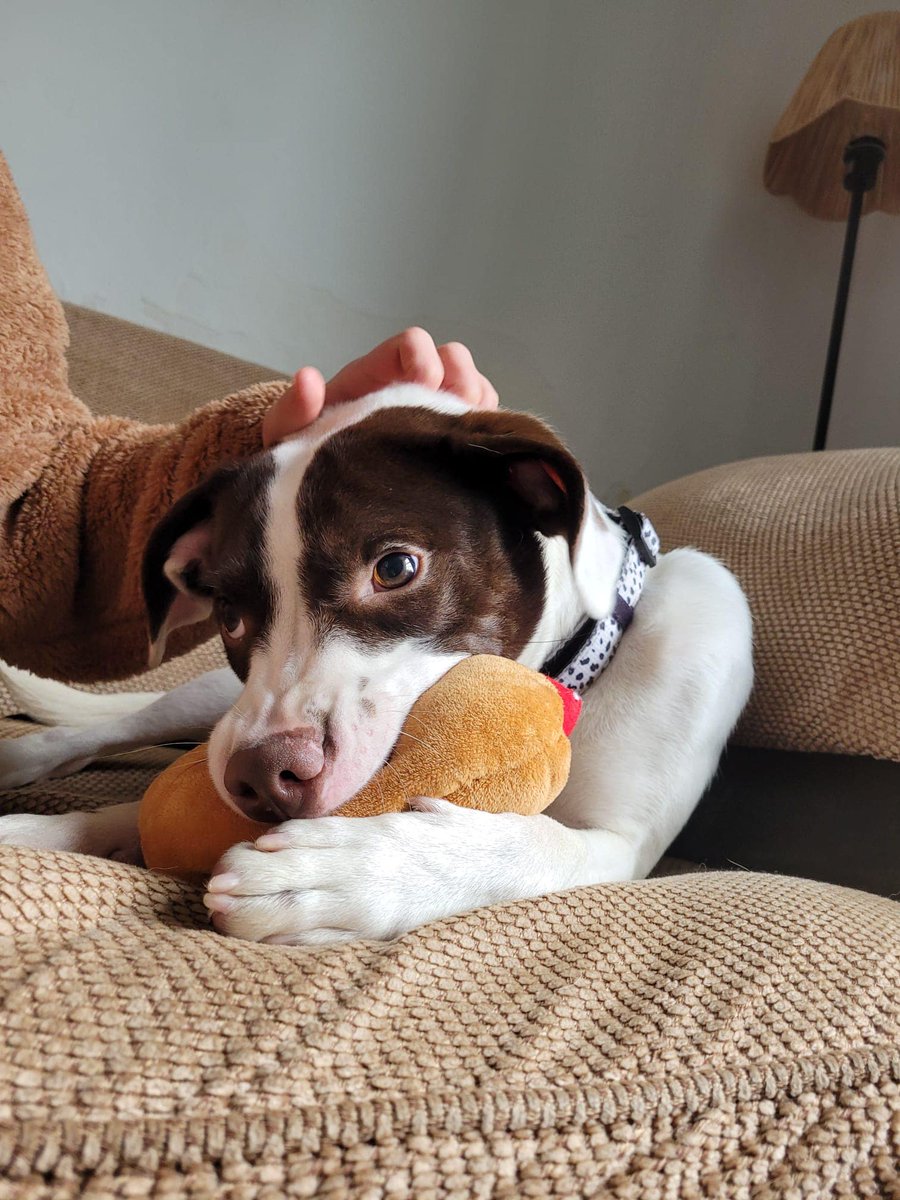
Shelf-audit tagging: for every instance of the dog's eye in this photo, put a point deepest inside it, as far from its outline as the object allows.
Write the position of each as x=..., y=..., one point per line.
x=230, y=620
x=394, y=570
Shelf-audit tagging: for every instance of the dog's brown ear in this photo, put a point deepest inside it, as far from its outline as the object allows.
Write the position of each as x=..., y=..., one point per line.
x=532, y=463
x=176, y=553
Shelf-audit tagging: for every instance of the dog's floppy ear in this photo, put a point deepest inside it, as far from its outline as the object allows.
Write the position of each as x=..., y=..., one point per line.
x=176, y=552
x=549, y=485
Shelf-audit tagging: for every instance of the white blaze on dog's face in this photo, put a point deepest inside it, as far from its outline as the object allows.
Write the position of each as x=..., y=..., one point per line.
x=352, y=566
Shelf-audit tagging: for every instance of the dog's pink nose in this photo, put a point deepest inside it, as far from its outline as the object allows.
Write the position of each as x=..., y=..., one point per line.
x=267, y=781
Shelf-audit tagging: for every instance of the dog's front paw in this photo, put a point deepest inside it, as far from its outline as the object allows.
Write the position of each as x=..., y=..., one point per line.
x=335, y=879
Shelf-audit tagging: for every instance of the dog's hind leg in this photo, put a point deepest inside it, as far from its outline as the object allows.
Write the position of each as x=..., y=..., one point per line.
x=186, y=714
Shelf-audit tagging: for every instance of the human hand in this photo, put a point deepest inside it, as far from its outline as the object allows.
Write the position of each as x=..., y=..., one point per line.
x=408, y=357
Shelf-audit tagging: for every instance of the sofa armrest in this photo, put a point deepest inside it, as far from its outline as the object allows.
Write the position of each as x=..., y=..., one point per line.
x=815, y=541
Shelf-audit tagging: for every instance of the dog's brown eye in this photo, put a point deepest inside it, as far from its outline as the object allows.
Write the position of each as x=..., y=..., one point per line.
x=230, y=620
x=394, y=570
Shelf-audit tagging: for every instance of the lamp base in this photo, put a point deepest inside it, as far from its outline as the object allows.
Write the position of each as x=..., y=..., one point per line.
x=863, y=156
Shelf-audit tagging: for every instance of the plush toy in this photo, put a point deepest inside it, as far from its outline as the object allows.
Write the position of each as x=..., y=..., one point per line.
x=490, y=734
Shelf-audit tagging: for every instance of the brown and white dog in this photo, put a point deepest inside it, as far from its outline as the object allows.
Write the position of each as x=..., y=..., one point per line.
x=349, y=568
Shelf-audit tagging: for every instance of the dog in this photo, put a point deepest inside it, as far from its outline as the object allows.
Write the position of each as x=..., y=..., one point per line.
x=348, y=569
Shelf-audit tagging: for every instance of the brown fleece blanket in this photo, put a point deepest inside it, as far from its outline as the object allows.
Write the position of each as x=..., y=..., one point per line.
x=78, y=493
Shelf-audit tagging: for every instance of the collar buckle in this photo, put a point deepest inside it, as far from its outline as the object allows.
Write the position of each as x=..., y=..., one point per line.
x=633, y=524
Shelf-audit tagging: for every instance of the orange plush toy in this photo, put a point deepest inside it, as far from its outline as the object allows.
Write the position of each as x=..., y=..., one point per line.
x=490, y=734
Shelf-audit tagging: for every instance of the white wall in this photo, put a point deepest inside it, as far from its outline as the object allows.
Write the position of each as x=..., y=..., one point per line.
x=574, y=188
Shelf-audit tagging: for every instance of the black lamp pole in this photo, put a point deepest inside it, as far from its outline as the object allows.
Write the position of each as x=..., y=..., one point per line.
x=863, y=157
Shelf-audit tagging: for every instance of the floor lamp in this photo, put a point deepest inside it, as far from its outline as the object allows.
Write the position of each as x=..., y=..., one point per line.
x=828, y=149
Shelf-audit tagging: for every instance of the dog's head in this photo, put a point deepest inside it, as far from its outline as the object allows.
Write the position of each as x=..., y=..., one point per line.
x=350, y=567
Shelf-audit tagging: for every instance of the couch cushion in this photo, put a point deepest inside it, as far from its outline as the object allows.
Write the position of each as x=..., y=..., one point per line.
x=726, y=1034
x=814, y=540
x=129, y=371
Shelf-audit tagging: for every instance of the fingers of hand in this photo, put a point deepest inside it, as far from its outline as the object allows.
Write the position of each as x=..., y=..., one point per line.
x=462, y=377
x=296, y=408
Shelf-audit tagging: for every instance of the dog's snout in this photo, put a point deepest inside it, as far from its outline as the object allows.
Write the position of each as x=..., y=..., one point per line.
x=267, y=781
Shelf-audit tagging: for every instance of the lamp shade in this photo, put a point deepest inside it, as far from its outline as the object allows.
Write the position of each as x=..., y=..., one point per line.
x=851, y=90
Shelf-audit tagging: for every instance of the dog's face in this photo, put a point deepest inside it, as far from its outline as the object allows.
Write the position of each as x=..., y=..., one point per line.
x=352, y=566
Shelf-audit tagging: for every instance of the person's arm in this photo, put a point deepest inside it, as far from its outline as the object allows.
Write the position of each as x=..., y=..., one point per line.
x=79, y=494
x=70, y=603
x=93, y=488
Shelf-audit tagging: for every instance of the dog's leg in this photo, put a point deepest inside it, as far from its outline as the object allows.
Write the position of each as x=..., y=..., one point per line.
x=335, y=879
x=187, y=713
x=651, y=735
x=644, y=750
x=107, y=833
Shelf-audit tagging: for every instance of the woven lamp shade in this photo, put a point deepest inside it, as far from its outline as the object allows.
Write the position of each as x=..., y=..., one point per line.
x=851, y=90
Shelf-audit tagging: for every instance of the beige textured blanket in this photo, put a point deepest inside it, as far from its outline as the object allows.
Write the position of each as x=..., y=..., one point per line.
x=725, y=1035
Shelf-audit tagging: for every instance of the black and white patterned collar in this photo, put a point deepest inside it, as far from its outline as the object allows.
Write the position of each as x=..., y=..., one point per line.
x=591, y=647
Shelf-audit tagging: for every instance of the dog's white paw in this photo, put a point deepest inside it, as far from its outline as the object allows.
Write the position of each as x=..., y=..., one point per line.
x=37, y=756
x=107, y=833
x=335, y=879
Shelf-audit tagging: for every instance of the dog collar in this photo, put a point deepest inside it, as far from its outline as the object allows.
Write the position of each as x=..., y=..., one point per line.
x=590, y=649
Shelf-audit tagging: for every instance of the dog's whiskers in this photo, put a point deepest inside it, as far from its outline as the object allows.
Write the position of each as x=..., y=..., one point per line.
x=411, y=717
x=412, y=737
x=183, y=745
x=389, y=766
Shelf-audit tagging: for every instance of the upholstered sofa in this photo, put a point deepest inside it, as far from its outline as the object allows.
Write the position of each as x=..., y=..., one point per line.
x=707, y=1032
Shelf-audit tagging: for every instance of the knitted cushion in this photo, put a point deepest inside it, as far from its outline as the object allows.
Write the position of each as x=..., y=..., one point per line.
x=721, y=1035
x=129, y=371
x=815, y=541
